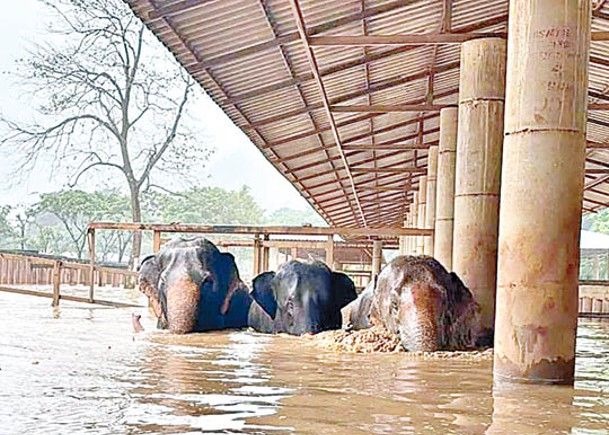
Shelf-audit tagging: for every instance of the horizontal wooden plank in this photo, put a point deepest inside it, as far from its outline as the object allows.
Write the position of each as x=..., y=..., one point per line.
x=413, y=39
x=262, y=230
x=387, y=108
x=67, y=297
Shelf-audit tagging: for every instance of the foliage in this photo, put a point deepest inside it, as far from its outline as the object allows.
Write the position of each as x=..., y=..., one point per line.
x=292, y=217
x=209, y=205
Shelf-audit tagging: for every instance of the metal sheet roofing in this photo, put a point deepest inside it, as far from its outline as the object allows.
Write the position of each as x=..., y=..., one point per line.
x=251, y=59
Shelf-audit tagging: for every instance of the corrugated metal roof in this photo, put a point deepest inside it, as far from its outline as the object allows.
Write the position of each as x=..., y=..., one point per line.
x=250, y=58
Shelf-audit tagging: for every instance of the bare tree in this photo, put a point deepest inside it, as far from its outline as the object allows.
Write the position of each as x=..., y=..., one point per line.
x=111, y=99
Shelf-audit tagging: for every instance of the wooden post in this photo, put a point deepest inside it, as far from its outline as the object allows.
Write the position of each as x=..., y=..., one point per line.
x=420, y=244
x=56, y=282
x=415, y=219
x=542, y=190
x=377, y=258
x=478, y=172
x=156, y=241
x=91, y=264
x=430, y=208
x=257, y=255
x=445, y=195
x=266, y=255
x=330, y=251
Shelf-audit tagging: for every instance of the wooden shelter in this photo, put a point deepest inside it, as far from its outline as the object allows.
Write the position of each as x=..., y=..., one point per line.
x=344, y=98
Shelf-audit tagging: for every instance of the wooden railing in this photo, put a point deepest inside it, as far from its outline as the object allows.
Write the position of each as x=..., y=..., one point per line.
x=27, y=270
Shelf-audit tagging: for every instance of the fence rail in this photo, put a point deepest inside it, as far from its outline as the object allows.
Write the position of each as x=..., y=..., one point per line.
x=28, y=270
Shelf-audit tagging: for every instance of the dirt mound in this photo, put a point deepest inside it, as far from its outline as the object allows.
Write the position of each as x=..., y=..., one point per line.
x=378, y=340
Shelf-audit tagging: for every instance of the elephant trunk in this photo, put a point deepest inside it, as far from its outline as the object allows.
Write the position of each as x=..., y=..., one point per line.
x=182, y=301
x=420, y=317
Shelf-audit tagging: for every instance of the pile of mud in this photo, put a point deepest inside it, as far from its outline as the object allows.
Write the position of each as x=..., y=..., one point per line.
x=378, y=340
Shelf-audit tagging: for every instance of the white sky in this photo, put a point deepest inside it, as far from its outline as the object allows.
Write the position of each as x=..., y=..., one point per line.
x=236, y=160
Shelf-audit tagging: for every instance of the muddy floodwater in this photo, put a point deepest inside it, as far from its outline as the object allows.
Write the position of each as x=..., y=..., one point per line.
x=81, y=369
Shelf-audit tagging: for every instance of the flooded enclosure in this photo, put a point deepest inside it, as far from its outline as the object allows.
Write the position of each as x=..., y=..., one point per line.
x=81, y=369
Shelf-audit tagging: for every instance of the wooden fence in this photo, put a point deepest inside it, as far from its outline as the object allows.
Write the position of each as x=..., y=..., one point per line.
x=23, y=270
x=594, y=298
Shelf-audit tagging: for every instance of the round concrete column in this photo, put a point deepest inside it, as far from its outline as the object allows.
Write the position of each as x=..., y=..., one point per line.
x=541, y=195
x=445, y=195
x=430, y=208
x=478, y=172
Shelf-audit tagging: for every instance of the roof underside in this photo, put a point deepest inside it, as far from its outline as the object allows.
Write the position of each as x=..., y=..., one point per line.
x=356, y=168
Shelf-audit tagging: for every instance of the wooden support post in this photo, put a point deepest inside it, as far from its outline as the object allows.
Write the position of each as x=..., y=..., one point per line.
x=156, y=241
x=430, y=208
x=266, y=255
x=91, y=234
x=478, y=173
x=330, y=251
x=56, y=283
x=542, y=190
x=445, y=195
x=377, y=258
x=420, y=246
x=412, y=249
x=257, y=255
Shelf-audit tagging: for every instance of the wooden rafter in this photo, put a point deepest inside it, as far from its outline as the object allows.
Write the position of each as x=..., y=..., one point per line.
x=300, y=24
x=414, y=39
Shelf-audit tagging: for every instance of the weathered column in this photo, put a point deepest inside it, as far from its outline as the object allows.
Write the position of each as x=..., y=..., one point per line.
x=541, y=195
x=430, y=208
x=420, y=240
x=445, y=195
x=377, y=257
x=478, y=172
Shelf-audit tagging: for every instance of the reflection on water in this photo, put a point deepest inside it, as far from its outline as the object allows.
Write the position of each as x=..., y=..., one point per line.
x=81, y=369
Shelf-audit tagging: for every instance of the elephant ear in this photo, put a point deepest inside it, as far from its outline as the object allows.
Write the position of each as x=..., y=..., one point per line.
x=262, y=293
x=343, y=289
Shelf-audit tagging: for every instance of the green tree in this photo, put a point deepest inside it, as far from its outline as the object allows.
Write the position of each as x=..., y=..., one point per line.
x=293, y=217
x=207, y=205
x=7, y=232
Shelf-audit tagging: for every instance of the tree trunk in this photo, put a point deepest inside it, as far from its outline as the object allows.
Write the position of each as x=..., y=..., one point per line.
x=136, y=212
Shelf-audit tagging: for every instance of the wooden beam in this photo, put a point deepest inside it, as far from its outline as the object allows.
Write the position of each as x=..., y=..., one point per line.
x=294, y=36
x=386, y=108
x=598, y=106
x=599, y=36
x=392, y=147
x=28, y=292
x=414, y=39
x=304, y=38
x=389, y=170
x=596, y=145
x=365, y=60
x=253, y=229
x=597, y=170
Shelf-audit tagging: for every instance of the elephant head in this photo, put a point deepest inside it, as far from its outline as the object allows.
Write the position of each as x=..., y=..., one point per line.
x=190, y=284
x=427, y=307
x=303, y=297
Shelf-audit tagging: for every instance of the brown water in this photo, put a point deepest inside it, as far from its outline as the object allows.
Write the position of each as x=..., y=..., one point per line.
x=81, y=369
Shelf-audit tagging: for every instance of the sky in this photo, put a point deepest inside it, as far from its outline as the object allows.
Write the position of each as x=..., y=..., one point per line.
x=234, y=163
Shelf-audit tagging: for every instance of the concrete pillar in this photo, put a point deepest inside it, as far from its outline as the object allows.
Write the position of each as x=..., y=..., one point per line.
x=478, y=172
x=541, y=194
x=445, y=195
x=377, y=257
x=430, y=208
x=420, y=240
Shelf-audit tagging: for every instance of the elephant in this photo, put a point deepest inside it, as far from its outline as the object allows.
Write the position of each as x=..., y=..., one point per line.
x=429, y=308
x=190, y=284
x=303, y=297
x=359, y=309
